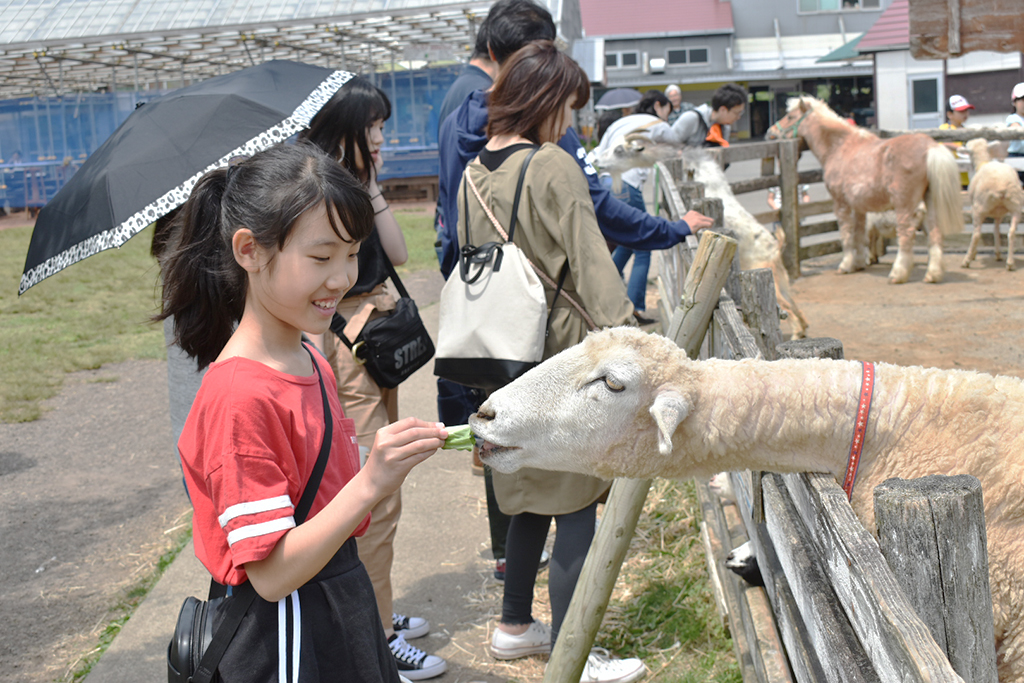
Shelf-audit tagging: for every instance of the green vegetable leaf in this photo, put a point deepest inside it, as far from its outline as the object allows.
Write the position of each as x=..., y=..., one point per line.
x=460, y=438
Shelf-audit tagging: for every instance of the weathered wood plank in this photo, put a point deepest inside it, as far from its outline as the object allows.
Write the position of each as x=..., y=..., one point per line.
x=931, y=531
x=812, y=347
x=701, y=290
x=819, y=228
x=901, y=645
x=789, y=186
x=760, y=309
x=737, y=336
x=960, y=135
x=995, y=25
x=820, y=249
x=838, y=649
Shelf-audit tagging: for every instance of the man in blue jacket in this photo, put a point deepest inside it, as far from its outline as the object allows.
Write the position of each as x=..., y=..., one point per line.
x=464, y=133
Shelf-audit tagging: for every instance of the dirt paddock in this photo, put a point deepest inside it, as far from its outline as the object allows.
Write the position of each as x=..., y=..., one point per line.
x=973, y=320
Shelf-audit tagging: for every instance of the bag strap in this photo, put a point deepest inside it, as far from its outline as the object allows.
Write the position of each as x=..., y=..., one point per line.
x=245, y=594
x=558, y=288
x=338, y=321
x=519, y=191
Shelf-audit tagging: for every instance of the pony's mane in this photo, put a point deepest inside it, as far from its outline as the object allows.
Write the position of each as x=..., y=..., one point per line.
x=817, y=105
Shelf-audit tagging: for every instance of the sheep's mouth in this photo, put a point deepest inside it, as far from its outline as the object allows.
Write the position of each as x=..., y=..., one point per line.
x=488, y=449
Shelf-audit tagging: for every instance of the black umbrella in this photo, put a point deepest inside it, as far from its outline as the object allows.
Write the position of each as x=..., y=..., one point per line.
x=618, y=98
x=150, y=164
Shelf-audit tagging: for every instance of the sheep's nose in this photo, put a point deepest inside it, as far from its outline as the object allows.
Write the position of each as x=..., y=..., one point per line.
x=485, y=413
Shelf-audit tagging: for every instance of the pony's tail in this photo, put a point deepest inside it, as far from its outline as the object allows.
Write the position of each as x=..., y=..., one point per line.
x=943, y=197
x=201, y=289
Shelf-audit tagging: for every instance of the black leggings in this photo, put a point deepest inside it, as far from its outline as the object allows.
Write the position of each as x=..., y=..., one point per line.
x=526, y=535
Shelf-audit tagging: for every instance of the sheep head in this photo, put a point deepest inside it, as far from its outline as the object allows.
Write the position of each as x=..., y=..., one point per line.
x=608, y=406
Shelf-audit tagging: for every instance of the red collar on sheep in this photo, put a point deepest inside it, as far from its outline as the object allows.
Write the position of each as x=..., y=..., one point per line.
x=867, y=390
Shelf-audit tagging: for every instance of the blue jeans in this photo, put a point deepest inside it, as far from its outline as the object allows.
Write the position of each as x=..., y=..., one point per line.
x=636, y=288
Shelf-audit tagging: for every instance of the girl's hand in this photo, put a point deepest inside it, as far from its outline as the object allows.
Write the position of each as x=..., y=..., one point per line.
x=398, y=448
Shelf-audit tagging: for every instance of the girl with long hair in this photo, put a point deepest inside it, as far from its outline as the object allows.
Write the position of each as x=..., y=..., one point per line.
x=263, y=252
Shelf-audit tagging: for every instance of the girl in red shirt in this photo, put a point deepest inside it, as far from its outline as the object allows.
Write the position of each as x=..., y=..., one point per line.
x=271, y=245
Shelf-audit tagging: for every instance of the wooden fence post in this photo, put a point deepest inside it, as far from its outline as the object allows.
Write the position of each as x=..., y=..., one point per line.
x=701, y=290
x=761, y=309
x=789, y=154
x=932, y=533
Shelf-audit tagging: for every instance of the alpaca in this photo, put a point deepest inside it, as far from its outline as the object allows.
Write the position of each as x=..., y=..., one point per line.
x=757, y=247
x=995, y=191
x=646, y=410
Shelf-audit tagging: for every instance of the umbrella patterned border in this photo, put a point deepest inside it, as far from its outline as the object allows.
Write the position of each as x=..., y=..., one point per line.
x=118, y=235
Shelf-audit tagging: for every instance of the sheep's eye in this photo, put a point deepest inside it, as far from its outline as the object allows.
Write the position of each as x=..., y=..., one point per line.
x=613, y=385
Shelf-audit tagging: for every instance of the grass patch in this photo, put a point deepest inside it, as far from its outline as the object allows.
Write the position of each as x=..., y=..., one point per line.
x=133, y=596
x=91, y=313
x=663, y=610
x=97, y=311
x=417, y=223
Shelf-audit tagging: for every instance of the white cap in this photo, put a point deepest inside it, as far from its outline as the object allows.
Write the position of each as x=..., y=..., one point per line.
x=960, y=103
x=1018, y=92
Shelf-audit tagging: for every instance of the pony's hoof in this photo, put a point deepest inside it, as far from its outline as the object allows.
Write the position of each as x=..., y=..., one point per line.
x=1010, y=266
x=966, y=263
x=932, y=278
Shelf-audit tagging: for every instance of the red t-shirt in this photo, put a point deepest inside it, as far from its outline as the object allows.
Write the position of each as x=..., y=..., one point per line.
x=247, y=449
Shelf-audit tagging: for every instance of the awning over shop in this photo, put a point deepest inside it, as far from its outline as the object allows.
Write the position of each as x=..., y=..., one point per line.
x=844, y=53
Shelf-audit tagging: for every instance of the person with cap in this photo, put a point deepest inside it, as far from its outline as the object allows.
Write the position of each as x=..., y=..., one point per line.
x=1016, y=120
x=958, y=109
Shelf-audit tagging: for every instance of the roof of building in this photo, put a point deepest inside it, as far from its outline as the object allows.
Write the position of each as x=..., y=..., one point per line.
x=890, y=32
x=655, y=17
x=50, y=47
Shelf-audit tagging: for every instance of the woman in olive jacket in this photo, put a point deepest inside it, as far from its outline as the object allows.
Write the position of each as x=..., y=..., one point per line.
x=530, y=107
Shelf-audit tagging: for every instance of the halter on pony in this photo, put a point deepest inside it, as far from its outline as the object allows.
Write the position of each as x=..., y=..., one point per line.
x=790, y=131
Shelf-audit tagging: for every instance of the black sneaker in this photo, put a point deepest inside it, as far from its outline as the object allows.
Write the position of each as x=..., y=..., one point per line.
x=410, y=627
x=414, y=663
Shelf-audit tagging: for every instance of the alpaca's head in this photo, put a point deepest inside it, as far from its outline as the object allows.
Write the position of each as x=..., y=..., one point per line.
x=591, y=409
x=634, y=150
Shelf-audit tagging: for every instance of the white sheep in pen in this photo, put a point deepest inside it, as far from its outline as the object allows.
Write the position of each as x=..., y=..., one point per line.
x=995, y=191
x=757, y=248
x=628, y=404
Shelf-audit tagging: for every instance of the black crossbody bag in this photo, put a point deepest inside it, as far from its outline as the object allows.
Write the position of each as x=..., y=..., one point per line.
x=195, y=650
x=393, y=346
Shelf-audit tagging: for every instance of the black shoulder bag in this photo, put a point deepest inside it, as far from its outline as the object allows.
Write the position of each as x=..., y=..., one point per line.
x=392, y=346
x=195, y=650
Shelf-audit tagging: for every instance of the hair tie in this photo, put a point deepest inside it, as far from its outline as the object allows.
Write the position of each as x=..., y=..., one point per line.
x=233, y=163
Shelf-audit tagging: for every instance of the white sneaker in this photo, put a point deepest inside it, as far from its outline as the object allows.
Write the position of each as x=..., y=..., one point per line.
x=536, y=640
x=601, y=668
x=414, y=663
x=410, y=627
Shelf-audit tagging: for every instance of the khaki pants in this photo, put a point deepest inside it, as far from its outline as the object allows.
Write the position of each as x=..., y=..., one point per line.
x=371, y=408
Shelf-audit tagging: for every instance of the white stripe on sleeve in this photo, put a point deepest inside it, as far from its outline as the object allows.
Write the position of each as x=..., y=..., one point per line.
x=253, y=507
x=261, y=529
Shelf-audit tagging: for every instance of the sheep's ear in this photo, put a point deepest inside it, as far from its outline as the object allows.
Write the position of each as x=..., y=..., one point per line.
x=669, y=409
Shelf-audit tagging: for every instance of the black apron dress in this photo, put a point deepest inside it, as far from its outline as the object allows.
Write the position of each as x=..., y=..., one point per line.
x=338, y=635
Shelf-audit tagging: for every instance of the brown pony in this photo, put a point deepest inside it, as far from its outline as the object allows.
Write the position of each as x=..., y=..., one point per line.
x=864, y=173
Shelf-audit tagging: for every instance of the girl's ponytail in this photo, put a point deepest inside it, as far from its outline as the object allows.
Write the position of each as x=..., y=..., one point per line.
x=203, y=287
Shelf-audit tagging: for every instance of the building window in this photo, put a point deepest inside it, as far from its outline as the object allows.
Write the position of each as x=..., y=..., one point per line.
x=693, y=55
x=836, y=5
x=621, y=60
